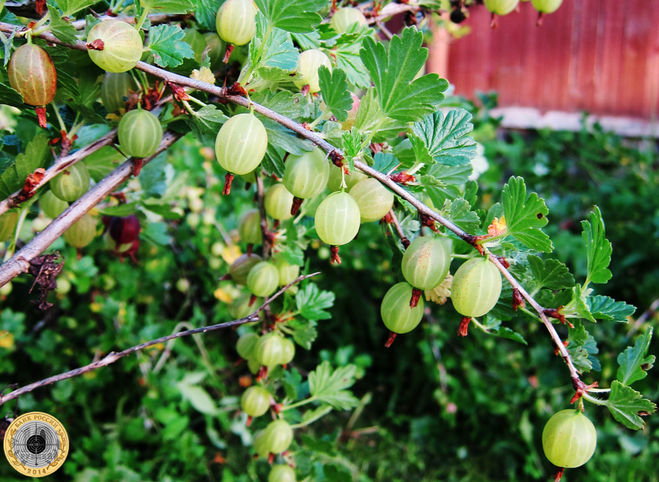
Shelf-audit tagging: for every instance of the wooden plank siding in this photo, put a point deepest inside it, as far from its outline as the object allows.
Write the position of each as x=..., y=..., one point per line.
x=601, y=56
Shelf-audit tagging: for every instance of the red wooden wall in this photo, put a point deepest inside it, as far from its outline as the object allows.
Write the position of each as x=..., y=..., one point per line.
x=596, y=55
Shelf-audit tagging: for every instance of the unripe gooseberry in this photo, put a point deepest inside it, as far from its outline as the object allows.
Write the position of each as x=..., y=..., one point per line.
x=501, y=7
x=337, y=219
x=260, y=444
x=396, y=312
x=344, y=18
x=569, y=439
x=306, y=176
x=51, y=205
x=241, y=267
x=546, y=6
x=139, y=133
x=263, y=279
x=215, y=47
x=71, y=183
x=288, y=351
x=8, y=222
x=336, y=176
x=115, y=90
x=32, y=73
x=308, y=63
x=255, y=401
x=249, y=227
x=288, y=272
x=121, y=45
x=278, y=436
x=269, y=351
x=235, y=21
x=476, y=287
x=281, y=473
x=246, y=344
x=426, y=261
x=241, y=143
x=278, y=202
x=243, y=306
x=374, y=200
x=82, y=232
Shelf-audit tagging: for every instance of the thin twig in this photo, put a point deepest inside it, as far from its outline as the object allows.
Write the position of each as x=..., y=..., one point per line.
x=20, y=262
x=62, y=164
x=113, y=357
x=399, y=229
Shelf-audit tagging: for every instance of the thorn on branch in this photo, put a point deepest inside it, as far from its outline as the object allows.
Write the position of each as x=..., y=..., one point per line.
x=565, y=344
x=518, y=301
x=556, y=313
x=581, y=388
x=227, y=54
x=504, y=262
x=402, y=177
x=428, y=221
x=28, y=189
x=237, y=89
x=179, y=92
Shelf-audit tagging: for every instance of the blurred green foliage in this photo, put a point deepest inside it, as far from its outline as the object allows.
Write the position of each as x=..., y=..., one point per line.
x=435, y=406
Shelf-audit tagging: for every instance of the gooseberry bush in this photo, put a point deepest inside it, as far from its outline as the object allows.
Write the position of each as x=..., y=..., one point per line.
x=328, y=122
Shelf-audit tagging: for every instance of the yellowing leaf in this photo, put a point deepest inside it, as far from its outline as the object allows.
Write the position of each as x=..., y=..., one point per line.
x=231, y=253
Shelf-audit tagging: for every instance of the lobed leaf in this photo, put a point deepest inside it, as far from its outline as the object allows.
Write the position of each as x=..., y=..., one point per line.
x=312, y=303
x=334, y=89
x=525, y=215
x=634, y=361
x=299, y=16
x=393, y=69
x=330, y=386
x=627, y=405
x=167, y=45
x=598, y=248
x=444, y=138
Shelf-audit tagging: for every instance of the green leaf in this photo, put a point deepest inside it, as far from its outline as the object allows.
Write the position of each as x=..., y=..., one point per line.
x=292, y=382
x=393, y=68
x=62, y=29
x=178, y=7
x=278, y=51
x=493, y=326
x=583, y=348
x=207, y=121
x=298, y=16
x=384, y=162
x=625, y=404
x=304, y=332
x=205, y=13
x=525, y=215
x=605, y=308
x=335, y=92
x=34, y=157
x=312, y=303
x=348, y=60
x=353, y=144
x=10, y=96
x=119, y=210
x=168, y=47
x=634, y=361
x=157, y=233
x=549, y=273
x=459, y=211
x=69, y=7
x=198, y=398
x=444, y=138
x=330, y=386
x=598, y=248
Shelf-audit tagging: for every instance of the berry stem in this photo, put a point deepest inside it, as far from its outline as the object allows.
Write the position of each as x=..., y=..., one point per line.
x=228, y=179
x=335, y=258
x=390, y=339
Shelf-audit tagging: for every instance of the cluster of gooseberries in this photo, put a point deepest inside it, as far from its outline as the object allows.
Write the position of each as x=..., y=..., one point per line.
x=349, y=199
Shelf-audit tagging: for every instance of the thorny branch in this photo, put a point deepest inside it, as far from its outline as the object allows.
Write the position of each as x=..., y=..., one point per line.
x=113, y=357
x=335, y=154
